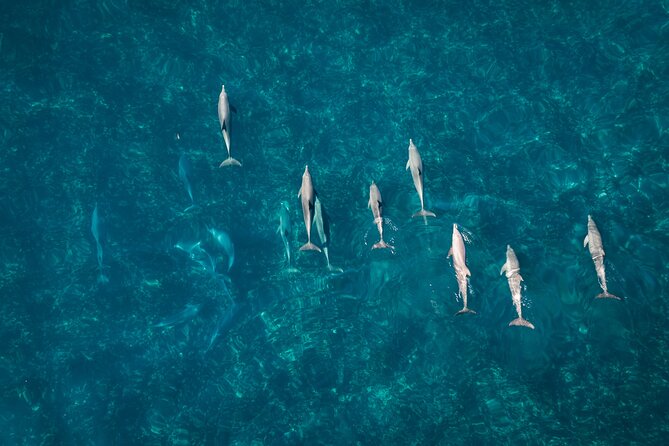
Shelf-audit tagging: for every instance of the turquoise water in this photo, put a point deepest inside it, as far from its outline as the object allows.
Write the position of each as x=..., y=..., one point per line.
x=529, y=116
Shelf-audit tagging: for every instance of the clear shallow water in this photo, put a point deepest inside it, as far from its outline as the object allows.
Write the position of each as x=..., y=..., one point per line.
x=528, y=118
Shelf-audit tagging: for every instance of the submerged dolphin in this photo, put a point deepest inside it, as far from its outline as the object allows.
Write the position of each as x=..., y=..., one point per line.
x=224, y=120
x=95, y=230
x=225, y=242
x=323, y=229
x=512, y=269
x=285, y=228
x=594, y=243
x=184, y=174
x=461, y=271
x=307, y=196
x=376, y=204
x=189, y=311
x=416, y=165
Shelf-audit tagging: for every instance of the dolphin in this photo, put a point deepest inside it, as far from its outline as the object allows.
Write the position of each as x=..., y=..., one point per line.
x=376, y=204
x=224, y=120
x=224, y=323
x=416, y=165
x=307, y=195
x=512, y=269
x=285, y=228
x=225, y=242
x=322, y=224
x=457, y=251
x=594, y=243
x=95, y=230
x=184, y=174
x=189, y=311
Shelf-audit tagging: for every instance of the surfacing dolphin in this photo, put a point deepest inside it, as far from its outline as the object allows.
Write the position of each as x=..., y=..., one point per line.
x=416, y=165
x=376, y=205
x=594, y=243
x=512, y=269
x=224, y=120
x=307, y=196
x=457, y=251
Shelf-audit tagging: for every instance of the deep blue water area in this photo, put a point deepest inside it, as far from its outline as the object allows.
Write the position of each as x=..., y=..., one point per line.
x=144, y=323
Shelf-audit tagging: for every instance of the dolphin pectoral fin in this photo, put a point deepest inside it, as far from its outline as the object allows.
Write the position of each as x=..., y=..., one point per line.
x=585, y=241
x=520, y=322
x=504, y=267
x=278, y=230
x=233, y=109
x=408, y=164
x=299, y=193
x=607, y=295
x=450, y=252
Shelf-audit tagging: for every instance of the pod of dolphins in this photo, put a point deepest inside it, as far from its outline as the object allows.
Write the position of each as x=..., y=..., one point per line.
x=313, y=213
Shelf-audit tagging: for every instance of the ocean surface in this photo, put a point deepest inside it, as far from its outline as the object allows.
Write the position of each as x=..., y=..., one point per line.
x=135, y=312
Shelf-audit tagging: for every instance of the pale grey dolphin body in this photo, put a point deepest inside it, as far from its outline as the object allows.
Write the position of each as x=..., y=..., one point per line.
x=224, y=120
x=323, y=229
x=416, y=165
x=307, y=196
x=594, y=243
x=376, y=204
x=512, y=269
x=461, y=271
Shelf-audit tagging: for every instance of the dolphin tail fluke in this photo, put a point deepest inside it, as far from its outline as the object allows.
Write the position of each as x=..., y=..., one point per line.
x=520, y=322
x=309, y=247
x=423, y=213
x=230, y=162
x=465, y=310
x=102, y=279
x=607, y=295
x=381, y=244
x=334, y=269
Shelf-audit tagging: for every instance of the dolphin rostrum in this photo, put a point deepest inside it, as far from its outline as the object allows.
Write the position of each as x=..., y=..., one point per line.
x=376, y=204
x=224, y=120
x=461, y=271
x=416, y=165
x=512, y=269
x=594, y=243
x=307, y=196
